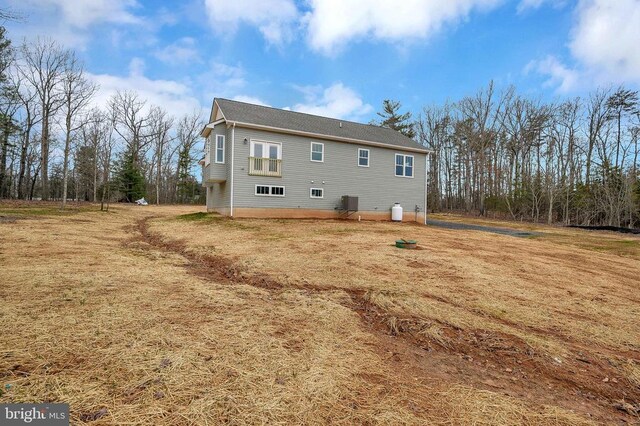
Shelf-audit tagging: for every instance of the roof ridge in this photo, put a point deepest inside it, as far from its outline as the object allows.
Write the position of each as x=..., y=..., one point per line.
x=306, y=113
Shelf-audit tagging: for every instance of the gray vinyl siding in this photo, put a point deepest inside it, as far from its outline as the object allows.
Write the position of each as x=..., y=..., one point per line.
x=376, y=186
x=219, y=194
x=217, y=170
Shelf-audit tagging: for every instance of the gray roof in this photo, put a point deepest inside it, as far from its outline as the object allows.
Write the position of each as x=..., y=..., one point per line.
x=242, y=112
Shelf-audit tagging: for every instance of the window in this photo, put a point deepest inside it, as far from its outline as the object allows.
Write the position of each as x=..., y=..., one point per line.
x=317, y=152
x=207, y=151
x=363, y=157
x=261, y=149
x=316, y=193
x=270, y=190
x=404, y=165
x=220, y=149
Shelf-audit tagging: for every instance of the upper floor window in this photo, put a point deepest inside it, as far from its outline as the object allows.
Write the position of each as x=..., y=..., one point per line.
x=363, y=157
x=317, y=152
x=404, y=165
x=220, y=149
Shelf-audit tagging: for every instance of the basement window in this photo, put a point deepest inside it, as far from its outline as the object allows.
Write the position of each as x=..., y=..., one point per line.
x=269, y=190
x=316, y=193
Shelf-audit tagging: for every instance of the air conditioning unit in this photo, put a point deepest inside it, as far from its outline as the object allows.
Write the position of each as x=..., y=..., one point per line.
x=349, y=203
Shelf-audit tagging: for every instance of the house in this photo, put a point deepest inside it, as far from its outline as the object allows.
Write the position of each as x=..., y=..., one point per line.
x=268, y=162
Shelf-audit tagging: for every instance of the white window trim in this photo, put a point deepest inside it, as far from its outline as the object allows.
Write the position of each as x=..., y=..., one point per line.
x=404, y=165
x=224, y=148
x=255, y=191
x=254, y=141
x=316, y=189
x=311, y=152
x=368, y=157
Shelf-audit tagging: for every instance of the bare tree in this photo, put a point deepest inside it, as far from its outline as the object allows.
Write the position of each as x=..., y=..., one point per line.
x=188, y=135
x=484, y=113
x=77, y=91
x=597, y=116
x=132, y=122
x=30, y=117
x=96, y=130
x=43, y=66
x=160, y=124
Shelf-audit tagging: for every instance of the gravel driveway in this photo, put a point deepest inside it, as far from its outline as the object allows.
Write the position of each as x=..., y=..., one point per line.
x=470, y=227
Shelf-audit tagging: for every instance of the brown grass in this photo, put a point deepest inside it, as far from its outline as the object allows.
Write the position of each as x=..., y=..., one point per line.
x=168, y=321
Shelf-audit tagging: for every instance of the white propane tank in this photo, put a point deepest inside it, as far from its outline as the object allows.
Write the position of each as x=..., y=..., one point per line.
x=396, y=212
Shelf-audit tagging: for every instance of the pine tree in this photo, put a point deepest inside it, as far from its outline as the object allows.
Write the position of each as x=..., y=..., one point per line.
x=131, y=184
x=183, y=175
x=392, y=119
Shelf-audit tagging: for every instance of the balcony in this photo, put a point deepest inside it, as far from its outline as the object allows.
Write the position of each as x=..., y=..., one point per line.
x=259, y=166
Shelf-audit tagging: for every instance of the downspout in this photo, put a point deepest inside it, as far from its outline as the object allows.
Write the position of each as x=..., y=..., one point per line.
x=233, y=140
x=427, y=159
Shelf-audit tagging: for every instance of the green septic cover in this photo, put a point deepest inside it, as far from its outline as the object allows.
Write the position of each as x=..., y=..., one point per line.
x=406, y=242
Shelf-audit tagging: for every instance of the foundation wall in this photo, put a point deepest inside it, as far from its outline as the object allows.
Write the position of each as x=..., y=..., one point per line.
x=273, y=213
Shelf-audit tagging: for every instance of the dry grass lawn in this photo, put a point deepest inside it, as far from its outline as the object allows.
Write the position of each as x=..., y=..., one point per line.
x=167, y=315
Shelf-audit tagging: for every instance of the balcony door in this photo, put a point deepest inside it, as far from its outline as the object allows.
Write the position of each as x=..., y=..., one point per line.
x=263, y=150
x=265, y=158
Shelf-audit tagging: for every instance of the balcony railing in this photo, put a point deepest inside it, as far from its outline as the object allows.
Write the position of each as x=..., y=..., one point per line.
x=259, y=166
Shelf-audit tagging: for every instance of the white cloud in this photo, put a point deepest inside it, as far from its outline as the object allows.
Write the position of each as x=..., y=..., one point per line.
x=181, y=52
x=336, y=101
x=606, y=39
x=272, y=17
x=250, y=100
x=176, y=97
x=70, y=21
x=603, y=48
x=333, y=23
x=83, y=13
x=559, y=76
x=221, y=80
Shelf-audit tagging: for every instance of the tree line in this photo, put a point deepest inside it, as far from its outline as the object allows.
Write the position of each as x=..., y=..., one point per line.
x=573, y=161
x=56, y=145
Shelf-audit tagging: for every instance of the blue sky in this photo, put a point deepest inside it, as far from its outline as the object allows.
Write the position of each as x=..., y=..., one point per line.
x=341, y=58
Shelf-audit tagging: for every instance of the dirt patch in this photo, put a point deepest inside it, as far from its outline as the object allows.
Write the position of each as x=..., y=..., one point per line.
x=8, y=219
x=428, y=349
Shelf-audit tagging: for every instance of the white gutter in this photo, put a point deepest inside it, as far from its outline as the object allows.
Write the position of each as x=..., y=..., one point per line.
x=427, y=161
x=331, y=138
x=233, y=138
